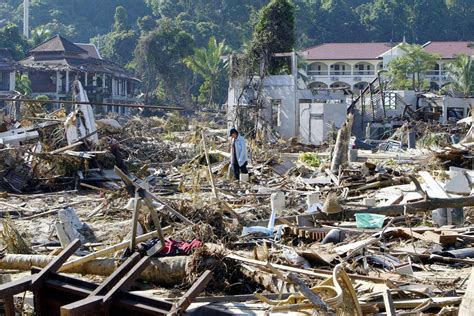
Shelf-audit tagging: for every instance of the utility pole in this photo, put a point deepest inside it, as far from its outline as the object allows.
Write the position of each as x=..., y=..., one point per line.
x=26, y=18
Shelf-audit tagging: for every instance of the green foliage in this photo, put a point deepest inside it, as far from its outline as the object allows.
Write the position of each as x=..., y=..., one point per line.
x=274, y=31
x=146, y=23
x=208, y=64
x=432, y=140
x=39, y=35
x=310, y=159
x=159, y=57
x=413, y=64
x=461, y=71
x=23, y=84
x=117, y=46
x=120, y=19
x=11, y=38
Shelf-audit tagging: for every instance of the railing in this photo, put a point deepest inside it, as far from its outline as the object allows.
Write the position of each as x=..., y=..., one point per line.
x=340, y=73
x=318, y=73
x=364, y=72
x=432, y=73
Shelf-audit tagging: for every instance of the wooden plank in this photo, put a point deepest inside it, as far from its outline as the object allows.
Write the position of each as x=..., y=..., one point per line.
x=411, y=208
x=319, y=273
x=208, y=161
x=467, y=303
x=105, y=251
x=433, y=188
x=388, y=302
x=444, y=238
x=332, y=176
x=136, y=201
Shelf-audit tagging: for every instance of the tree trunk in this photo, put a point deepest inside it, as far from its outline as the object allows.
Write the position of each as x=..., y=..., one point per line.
x=211, y=94
x=163, y=271
x=341, y=148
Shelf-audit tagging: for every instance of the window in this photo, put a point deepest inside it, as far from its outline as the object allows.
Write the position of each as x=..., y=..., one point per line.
x=455, y=114
x=276, y=112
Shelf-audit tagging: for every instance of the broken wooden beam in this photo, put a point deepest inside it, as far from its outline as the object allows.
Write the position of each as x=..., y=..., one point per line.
x=412, y=208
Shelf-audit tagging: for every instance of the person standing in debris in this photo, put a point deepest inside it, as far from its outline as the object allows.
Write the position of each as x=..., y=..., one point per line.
x=238, y=156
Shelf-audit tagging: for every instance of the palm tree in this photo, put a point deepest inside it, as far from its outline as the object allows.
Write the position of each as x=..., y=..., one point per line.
x=461, y=71
x=40, y=34
x=208, y=63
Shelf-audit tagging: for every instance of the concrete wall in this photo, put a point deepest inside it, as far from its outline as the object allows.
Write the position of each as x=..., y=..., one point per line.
x=316, y=120
x=450, y=103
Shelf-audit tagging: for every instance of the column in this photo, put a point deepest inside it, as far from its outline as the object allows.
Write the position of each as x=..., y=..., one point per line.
x=67, y=81
x=12, y=80
x=58, y=82
x=85, y=79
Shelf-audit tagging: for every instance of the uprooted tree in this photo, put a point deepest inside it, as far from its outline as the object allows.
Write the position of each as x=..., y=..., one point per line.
x=273, y=33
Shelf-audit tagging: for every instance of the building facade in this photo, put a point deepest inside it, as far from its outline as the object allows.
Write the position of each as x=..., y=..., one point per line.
x=53, y=65
x=8, y=68
x=355, y=65
x=290, y=108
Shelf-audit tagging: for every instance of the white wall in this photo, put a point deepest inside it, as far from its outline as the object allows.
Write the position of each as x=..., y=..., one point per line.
x=316, y=120
x=12, y=81
x=450, y=102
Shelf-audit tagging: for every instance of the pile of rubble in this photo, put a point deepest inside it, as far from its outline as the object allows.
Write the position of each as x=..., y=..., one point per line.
x=140, y=215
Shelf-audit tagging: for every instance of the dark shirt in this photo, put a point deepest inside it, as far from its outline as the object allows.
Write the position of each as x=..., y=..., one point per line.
x=234, y=155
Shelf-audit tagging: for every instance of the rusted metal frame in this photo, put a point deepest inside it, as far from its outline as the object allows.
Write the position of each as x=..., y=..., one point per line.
x=132, y=105
x=34, y=282
x=117, y=275
x=124, y=302
x=372, y=101
x=382, y=95
x=129, y=278
x=98, y=301
x=192, y=293
x=87, y=306
x=54, y=265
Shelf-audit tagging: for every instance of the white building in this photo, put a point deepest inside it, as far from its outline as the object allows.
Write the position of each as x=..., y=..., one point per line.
x=290, y=109
x=8, y=68
x=355, y=65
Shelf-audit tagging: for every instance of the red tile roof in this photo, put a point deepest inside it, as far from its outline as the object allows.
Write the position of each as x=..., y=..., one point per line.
x=354, y=51
x=449, y=49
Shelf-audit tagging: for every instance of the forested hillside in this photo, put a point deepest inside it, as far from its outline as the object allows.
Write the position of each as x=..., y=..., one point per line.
x=174, y=45
x=316, y=20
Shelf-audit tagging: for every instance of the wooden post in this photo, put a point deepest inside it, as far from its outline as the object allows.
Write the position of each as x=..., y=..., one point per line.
x=136, y=208
x=388, y=301
x=214, y=191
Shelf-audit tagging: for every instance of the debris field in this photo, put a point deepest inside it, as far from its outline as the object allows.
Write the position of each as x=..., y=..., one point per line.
x=136, y=215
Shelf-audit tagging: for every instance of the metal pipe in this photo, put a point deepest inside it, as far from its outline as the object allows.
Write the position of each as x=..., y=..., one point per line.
x=162, y=107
